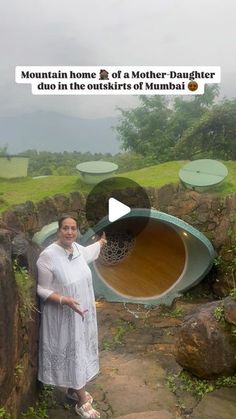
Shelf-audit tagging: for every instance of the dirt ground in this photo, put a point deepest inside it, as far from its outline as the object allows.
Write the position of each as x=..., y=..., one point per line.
x=137, y=363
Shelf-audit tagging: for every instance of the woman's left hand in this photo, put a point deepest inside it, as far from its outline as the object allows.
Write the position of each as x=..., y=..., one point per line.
x=103, y=239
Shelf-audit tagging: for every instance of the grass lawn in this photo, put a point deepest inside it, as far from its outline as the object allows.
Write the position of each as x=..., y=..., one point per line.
x=165, y=173
x=16, y=191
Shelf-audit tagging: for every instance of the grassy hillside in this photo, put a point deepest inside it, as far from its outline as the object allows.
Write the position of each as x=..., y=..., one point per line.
x=165, y=173
x=15, y=191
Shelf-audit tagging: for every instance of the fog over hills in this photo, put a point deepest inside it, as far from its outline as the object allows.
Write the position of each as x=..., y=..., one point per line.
x=52, y=131
x=126, y=34
x=60, y=131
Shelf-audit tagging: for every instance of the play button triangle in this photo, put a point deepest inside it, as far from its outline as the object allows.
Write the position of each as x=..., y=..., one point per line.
x=116, y=209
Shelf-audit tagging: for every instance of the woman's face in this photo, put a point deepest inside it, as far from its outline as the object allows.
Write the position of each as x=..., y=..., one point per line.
x=68, y=232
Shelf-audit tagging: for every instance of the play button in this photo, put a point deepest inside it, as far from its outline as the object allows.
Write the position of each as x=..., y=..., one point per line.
x=114, y=202
x=116, y=209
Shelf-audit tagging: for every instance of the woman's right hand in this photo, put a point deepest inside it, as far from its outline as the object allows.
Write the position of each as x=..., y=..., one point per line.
x=75, y=305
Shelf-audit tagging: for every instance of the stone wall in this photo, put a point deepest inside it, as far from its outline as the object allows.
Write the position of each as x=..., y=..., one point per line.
x=213, y=216
x=18, y=338
x=18, y=332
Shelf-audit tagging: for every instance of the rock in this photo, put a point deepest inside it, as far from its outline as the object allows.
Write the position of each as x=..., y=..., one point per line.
x=204, y=345
x=78, y=201
x=203, y=217
x=20, y=244
x=230, y=310
x=47, y=212
x=26, y=252
x=18, y=338
x=165, y=195
x=218, y=405
x=21, y=218
x=225, y=280
x=160, y=414
x=62, y=203
x=230, y=203
x=221, y=231
x=223, y=284
x=8, y=318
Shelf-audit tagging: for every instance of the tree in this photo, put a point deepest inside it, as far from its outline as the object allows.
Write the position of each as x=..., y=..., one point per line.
x=154, y=127
x=212, y=136
x=141, y=130
x=190, y=109
x=3, y=151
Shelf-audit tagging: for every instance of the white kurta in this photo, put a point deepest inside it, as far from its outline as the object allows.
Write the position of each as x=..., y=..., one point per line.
x=68, y=345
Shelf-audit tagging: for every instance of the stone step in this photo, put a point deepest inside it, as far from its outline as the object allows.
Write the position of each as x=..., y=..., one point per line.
x=154, y=414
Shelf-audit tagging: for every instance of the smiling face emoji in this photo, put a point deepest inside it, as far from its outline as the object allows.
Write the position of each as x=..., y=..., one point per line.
x=192, y=86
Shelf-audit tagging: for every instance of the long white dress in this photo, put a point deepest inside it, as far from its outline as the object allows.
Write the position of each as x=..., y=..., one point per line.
x=68, y=345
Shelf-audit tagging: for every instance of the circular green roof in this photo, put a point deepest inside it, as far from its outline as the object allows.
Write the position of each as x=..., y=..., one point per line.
x=204, y=172
x=47, y=231
x=97, y=167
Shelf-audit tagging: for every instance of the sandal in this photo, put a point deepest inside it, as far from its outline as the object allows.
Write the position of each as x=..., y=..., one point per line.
x=86, y=411
x=73, y=396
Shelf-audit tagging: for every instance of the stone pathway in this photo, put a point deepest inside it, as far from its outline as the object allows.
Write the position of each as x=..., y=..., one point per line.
x=136, y=357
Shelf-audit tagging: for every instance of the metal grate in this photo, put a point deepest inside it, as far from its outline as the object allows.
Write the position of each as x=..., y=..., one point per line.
x=118, y=247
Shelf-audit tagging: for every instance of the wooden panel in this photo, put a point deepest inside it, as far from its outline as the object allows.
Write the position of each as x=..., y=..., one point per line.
x=155, y=264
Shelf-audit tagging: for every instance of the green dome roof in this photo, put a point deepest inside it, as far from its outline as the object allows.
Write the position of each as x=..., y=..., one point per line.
x=97, y=167
x=203, y=173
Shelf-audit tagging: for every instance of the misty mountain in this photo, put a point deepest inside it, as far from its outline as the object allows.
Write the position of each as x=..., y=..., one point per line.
x=52, y=131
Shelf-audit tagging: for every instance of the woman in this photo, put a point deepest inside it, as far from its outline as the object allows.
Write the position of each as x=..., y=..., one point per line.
x=68, y=345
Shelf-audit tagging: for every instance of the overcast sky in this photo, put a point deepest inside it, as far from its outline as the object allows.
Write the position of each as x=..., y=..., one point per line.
x=110, y=32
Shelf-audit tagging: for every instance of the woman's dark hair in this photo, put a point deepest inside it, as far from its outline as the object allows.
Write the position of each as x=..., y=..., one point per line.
x=64, y=217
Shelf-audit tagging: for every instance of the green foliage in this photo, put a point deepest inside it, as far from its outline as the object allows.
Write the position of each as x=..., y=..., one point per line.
x=176, y=313
x=143, y=130
x=198, y=388
x=226, y=381
x=44, y=163
x=233, y=331
x=172, y=382
x=132, y=161
x=40, y=410
x=211, y=136
x=117, y=336
x=19, y=369
x=226, y=263
x=155, y=127
x=4, y=414
x=218, y=312
x=24, y=284
x=121, y=330
x=233, y=293
x=218, y=261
